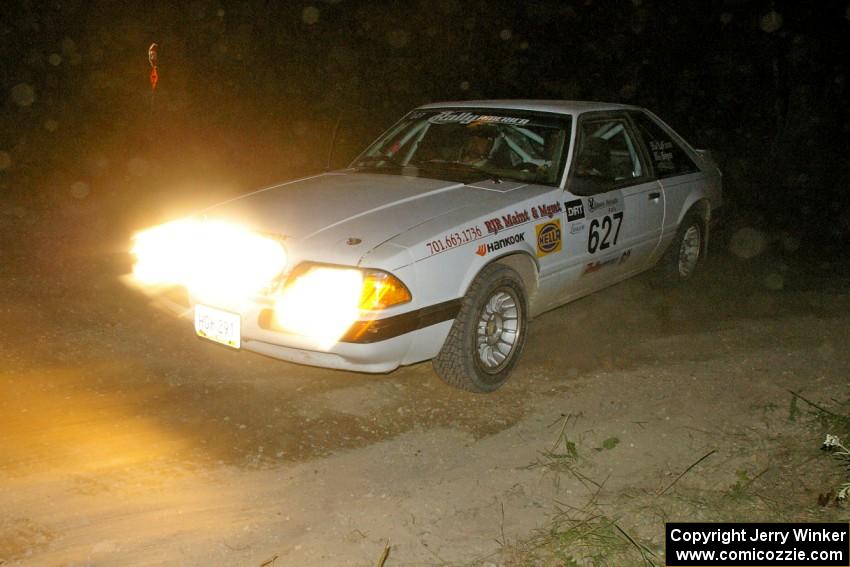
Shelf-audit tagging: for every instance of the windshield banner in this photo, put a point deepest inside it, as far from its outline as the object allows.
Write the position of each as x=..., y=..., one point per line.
x=449, y=117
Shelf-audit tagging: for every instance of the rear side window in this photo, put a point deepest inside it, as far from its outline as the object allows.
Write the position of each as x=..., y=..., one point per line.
x=667, y=156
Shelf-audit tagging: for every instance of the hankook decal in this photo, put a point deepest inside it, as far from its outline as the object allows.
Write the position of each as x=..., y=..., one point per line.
x=484, y=249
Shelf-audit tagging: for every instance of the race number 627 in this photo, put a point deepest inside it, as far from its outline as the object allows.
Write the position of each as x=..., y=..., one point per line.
x=596, y=240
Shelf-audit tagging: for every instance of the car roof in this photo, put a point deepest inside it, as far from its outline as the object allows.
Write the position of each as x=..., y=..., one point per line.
x=557, y=106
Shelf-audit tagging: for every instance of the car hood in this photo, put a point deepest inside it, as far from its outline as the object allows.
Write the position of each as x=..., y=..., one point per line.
x=338, y=217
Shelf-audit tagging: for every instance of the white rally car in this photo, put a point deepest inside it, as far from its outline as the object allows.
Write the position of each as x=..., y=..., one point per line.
x=442, y=240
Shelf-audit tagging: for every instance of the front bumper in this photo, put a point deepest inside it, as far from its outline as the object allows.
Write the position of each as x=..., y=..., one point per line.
x=377, y=357
x=374, y=346
x=379, y=330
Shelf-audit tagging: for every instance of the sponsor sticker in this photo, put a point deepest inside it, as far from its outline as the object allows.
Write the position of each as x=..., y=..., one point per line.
x=454, y=239
x=660, y=150
x=543, y=211
x=598, y=265
x=449, y=117
x=484, y=249
x=577, y=227
x=575, y=210
x=613, y=260
x=595, y=203
x=508, y=220
x=548, y=237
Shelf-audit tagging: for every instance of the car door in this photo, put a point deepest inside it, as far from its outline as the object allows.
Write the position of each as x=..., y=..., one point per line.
x=676, y=171
x=618, y=226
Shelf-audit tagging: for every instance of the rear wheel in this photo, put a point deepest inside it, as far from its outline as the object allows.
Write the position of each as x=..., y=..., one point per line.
x=489, y=333
x=685, y=253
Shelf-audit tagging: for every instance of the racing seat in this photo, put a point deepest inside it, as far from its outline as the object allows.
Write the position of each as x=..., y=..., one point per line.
x=594, y=171
x=595, y=159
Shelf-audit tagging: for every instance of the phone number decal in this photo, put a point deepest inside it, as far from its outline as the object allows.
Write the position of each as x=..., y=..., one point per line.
x=454, y=239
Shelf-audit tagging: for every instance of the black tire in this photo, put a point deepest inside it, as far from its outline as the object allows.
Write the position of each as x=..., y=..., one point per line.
x=678, y=264
x=461, y=360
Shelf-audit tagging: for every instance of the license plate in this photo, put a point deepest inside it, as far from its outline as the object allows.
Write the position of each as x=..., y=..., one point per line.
x=217, y=325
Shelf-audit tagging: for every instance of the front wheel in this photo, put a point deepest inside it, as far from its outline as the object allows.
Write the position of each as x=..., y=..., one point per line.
x=489, y=333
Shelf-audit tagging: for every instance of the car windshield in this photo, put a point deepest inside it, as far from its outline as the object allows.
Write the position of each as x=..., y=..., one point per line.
x=472, y=145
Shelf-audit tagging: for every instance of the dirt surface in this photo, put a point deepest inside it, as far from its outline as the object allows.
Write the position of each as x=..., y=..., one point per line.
x=127, y=441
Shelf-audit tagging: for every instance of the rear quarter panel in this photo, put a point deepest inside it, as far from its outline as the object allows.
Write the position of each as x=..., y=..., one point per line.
x=683, y=192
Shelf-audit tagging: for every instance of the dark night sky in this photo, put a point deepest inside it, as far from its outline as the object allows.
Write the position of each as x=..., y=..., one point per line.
x=250, y=91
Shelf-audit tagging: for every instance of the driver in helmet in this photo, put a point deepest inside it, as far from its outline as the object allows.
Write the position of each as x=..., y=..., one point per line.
x=478, y=145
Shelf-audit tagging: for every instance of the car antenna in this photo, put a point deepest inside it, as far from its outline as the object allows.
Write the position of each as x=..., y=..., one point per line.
x=333, y=141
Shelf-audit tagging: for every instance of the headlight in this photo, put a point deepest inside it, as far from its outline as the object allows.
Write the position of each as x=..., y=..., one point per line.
x=322, y=301
x=218, y=262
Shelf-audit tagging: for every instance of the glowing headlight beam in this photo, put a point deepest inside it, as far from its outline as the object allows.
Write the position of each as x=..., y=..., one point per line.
x=216, y=261
x=321, y=304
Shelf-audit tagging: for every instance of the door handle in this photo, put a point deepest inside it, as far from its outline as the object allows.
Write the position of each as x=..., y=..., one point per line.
x=654, y=195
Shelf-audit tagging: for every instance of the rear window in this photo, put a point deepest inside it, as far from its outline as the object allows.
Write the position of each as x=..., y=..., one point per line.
x=667, y=156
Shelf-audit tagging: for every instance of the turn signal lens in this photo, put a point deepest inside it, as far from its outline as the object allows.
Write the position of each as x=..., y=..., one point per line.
x=382, y=290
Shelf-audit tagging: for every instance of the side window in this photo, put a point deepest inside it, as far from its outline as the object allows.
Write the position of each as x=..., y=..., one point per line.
x=667, y=156
x=607, y=156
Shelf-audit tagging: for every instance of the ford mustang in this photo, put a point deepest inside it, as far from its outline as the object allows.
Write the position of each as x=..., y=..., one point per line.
x=442, y=240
